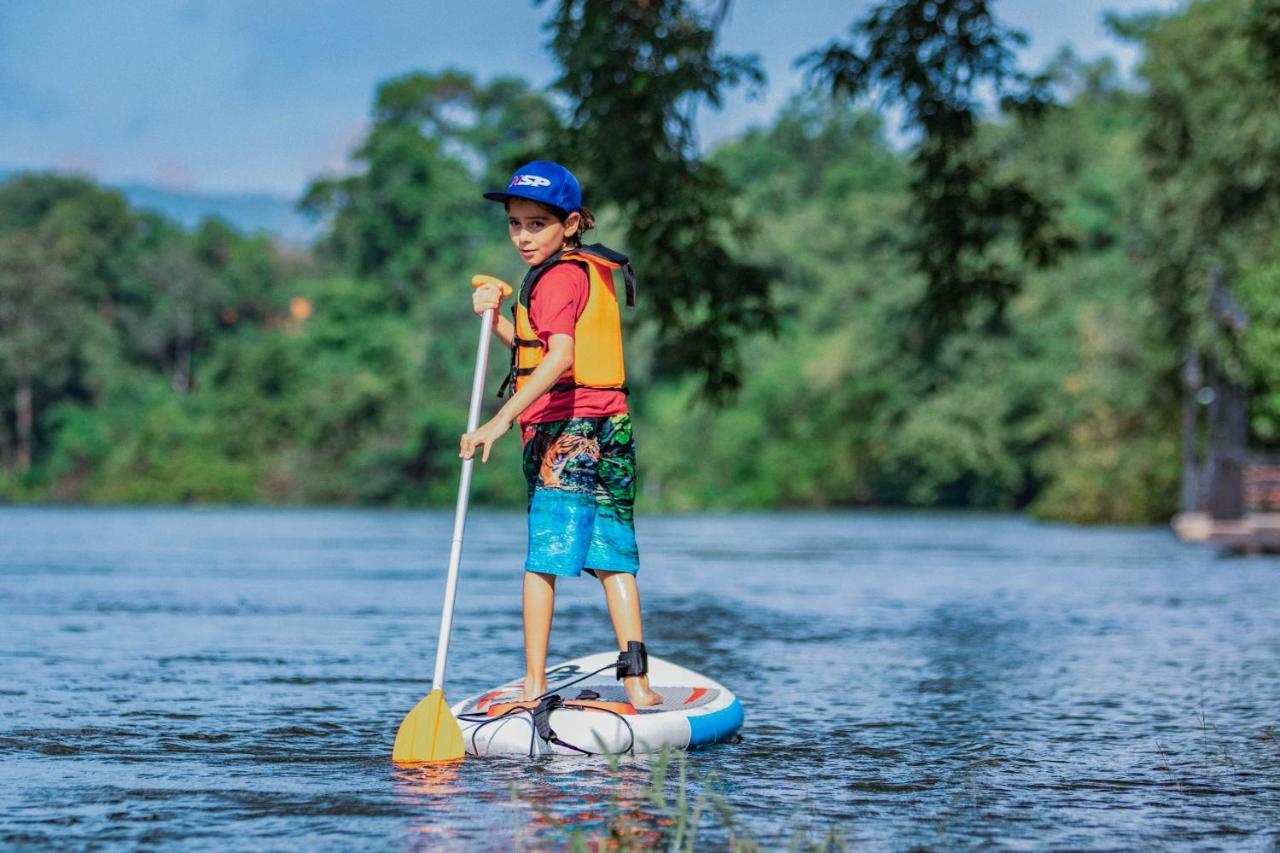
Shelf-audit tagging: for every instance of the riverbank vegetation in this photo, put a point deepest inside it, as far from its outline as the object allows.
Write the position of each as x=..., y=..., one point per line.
x=778, y=355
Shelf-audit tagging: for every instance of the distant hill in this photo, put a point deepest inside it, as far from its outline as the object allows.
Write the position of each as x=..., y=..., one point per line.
x=247, y=211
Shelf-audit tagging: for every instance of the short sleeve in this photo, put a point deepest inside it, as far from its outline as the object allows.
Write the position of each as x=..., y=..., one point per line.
x=558, y=301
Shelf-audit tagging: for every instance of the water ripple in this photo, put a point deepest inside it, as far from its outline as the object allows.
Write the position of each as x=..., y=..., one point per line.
x=234, y=678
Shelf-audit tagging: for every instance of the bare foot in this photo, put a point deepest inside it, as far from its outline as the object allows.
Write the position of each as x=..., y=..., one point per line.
x=638, y=692
x=534, y=686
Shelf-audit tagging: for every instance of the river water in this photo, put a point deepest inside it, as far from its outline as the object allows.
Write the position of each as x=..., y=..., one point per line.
x=234, y=679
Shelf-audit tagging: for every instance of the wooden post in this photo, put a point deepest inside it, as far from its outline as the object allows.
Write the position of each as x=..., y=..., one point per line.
x=1192, y=379
x=1228, y=412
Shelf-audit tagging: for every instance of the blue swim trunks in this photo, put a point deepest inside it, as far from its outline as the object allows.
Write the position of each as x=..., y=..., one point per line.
x=581, y=474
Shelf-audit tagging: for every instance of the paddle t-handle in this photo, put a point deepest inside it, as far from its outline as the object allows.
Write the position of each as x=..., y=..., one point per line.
x=482, y=280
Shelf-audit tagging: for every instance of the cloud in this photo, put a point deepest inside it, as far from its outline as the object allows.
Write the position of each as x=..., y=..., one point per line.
x=335, y=158
x=175, y=175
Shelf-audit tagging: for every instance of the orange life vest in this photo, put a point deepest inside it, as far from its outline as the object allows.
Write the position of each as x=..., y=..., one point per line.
x=597, y=349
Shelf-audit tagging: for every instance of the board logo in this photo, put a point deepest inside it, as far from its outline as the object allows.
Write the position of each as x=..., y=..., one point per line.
x=563, y=671
x=530, y=181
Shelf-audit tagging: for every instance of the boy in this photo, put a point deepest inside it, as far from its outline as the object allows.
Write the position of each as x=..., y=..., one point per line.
x=568, y=392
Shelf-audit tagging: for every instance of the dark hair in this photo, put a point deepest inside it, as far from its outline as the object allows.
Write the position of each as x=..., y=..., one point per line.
x=586, y=221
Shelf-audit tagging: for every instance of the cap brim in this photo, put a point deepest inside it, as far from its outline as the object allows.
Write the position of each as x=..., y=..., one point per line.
x=507, y=196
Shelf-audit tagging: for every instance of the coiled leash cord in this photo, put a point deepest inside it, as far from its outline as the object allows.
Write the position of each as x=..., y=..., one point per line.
x=540, y=716
x=633, y=662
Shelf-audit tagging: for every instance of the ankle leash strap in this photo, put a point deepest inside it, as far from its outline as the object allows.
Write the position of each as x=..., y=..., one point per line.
x=634, y=661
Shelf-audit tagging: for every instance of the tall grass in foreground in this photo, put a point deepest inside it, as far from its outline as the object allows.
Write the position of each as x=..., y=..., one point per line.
x=674, y=811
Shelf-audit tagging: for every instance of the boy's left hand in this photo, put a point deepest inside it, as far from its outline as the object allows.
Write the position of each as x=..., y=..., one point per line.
x=484, y=437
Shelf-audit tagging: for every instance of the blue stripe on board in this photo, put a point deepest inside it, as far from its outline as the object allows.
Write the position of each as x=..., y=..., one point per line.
x=715, y=727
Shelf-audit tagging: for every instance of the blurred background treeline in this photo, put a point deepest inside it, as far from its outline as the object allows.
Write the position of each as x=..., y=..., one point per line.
x=993, y=306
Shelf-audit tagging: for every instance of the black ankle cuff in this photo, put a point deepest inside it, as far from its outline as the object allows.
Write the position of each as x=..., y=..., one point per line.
x=634, y=661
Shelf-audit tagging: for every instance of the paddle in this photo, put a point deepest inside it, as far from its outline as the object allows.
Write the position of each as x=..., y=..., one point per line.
x=429, y=732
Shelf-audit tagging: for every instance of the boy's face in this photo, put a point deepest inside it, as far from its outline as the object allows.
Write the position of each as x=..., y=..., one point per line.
x=535, y=230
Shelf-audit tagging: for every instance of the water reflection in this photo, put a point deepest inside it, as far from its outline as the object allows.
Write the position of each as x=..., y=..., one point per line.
x=614, y=807
x=428, y=794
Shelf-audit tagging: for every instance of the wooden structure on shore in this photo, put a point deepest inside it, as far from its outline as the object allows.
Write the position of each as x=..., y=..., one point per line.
x=1256, y=530
x=1254, y=533
x=1228, y=499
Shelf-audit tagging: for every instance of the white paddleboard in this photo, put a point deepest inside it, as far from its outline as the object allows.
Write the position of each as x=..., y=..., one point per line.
x=596, y=717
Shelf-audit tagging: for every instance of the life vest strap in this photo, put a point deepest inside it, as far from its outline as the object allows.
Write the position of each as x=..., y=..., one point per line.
x=614, y=260
x=629, y=281
x=559, y=386
x=570, y=386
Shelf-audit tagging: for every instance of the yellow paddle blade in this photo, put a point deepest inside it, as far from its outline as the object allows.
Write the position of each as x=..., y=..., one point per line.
x=428, y=733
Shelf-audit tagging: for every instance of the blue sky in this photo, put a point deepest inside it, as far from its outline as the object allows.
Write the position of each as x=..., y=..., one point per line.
x=262, y=95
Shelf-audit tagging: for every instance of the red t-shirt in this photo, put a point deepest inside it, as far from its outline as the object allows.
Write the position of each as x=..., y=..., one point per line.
x=558, y=301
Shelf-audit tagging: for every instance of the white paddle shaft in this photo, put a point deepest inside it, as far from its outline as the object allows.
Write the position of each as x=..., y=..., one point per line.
x=464, y=491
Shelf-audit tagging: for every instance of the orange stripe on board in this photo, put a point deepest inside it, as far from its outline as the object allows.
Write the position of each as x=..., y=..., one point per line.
x=596, y=704
x=698, y=693
x=487, y=698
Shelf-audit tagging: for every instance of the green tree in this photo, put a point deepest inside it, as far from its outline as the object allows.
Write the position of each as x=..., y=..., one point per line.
x=1057, y=412
x=415, y=215
x=178, y=290
x=1212, y=149
x=185, y=300
x=40, y=323
x=635, y=74
x=1259, y=290
x=1207, y=225
x=250, y=271
x=91, y=227
x=938, y=59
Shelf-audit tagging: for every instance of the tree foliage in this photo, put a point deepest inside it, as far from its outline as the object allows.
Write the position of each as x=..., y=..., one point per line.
x=40, y=321
x=635, y=74
x=414, y=210
x=1063, y=412
x=1212, y=149
x=938, y=60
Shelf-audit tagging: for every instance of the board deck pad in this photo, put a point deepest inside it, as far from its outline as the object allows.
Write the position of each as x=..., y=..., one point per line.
x=696, y=711
x=673, y=698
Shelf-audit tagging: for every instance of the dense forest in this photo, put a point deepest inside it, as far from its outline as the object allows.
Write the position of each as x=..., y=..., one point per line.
x=995, y=313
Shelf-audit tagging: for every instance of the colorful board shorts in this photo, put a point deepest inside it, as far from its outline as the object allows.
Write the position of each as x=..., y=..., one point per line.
x=581, y=474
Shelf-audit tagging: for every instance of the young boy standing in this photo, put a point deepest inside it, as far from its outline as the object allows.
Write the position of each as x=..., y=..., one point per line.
x=568, y=393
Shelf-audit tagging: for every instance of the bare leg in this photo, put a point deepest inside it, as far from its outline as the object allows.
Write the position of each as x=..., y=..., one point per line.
x=623, y=597
x=539, y=606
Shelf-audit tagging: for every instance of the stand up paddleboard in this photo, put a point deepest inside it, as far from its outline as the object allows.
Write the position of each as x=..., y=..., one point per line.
x=585, y=713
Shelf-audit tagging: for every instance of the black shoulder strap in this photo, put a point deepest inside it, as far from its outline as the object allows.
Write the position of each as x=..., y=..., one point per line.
x=600, y=250
x=533, y=276
x=628, y=274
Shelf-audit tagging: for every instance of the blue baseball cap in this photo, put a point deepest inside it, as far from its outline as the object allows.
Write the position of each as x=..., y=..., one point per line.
x=544, y=182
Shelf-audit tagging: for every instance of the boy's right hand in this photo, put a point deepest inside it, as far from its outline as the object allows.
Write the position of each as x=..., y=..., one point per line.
x=488, y=293
x=484, y=437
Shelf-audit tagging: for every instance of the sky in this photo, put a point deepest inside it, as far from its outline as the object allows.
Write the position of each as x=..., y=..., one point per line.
x=231, y=96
